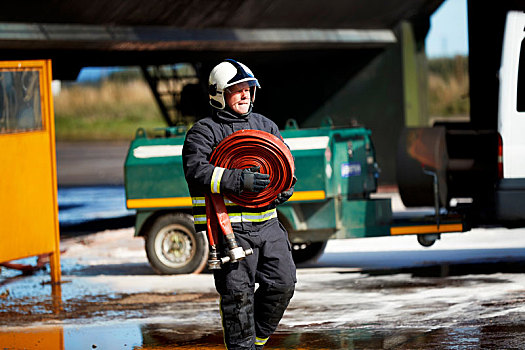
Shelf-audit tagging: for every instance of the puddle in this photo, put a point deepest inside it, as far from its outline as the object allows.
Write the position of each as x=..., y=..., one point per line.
x=161, y=336
x=81, y=204
x=169, y=336
x=189, y=308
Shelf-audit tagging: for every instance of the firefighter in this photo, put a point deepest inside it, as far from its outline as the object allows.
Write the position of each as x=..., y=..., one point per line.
x=249, y=316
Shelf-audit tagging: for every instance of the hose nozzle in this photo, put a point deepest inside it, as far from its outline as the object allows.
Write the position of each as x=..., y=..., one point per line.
x=236, y=254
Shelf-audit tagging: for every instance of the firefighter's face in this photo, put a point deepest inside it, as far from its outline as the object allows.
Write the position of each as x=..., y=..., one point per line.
x=238, y=98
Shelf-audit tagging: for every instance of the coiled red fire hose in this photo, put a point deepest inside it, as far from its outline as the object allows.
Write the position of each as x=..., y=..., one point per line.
x=249, y=148
x=246, y=149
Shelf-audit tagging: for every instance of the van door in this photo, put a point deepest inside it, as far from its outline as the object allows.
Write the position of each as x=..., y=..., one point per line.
x=510, y=190
x=511, y=119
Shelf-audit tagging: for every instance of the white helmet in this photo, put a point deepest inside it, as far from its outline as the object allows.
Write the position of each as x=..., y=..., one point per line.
x=226, y=74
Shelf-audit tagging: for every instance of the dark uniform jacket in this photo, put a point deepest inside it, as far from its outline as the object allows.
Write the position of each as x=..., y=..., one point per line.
x=203, y=177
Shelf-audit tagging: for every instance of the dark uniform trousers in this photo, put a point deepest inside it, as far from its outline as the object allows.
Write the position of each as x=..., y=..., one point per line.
x=249, y=317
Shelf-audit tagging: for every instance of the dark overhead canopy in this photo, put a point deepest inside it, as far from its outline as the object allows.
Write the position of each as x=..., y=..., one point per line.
x=128, y=25
x=81, y=33
x=325, y=14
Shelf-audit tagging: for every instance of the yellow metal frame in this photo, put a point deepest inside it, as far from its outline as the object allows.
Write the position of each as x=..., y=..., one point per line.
x=179, y=202
x=28, y=181
x=159, y=202
x=425, y=229
x=307, y=196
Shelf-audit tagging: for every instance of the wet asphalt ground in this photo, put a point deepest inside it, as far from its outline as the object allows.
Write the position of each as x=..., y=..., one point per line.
x=91, y=163
x=465, y=292
x=112, y=299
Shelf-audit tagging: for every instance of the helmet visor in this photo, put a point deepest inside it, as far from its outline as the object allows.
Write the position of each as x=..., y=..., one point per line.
x=242, y=85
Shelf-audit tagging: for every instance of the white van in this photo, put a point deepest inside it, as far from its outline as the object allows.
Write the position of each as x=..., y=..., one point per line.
x=510, y=190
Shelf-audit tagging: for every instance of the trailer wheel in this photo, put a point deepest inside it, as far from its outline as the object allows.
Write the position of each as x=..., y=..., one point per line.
x=427, y=240
x=307, y=252
x=173, y=247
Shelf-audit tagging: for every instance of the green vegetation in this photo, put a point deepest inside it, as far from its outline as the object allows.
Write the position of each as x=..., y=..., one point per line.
x=116, y=107
x=448, y=86
x=111, y=110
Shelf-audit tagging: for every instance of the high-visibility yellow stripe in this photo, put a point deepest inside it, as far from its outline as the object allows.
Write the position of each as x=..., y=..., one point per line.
x=159, y=202
x=307, y=196
x=259, y=217
x=199, y=219
x=216, y=179
x=241, y=217
x=198, y=201
x=261, y=341
x=201, y=202
x=421, y=229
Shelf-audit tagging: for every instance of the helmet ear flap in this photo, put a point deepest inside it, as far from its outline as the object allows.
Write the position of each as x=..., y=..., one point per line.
x=216, y=104
x=216, y=96
x=212, y=89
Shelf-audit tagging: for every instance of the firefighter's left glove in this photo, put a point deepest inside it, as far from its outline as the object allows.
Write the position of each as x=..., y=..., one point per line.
x=253, y=180
x=283, y=196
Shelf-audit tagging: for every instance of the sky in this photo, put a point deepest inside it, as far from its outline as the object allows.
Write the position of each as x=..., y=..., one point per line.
x=448, y=30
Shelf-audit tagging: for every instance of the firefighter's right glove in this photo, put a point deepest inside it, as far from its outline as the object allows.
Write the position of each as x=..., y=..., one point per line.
x=253, y=180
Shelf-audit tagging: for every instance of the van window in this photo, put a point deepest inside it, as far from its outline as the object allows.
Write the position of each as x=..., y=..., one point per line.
x=520, y=100
x=20, y=105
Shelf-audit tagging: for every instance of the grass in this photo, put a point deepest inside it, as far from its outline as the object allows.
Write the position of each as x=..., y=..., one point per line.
x=448, y=87
x=111, y=110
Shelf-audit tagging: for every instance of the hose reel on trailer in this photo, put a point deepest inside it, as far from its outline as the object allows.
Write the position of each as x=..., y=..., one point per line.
x=242, y=150
x=422, y=161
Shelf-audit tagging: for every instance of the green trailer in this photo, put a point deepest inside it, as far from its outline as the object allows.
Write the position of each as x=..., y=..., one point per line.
x=333, y=198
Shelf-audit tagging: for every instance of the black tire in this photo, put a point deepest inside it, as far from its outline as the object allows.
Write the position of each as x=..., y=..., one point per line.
x=173, y=247
x=427, y=240
x=307, y=252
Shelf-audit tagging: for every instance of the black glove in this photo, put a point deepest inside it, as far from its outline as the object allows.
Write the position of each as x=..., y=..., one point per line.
x=283, y=196
x=254, y=181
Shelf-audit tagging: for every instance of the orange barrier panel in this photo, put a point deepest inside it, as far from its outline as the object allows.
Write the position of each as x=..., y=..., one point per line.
x=28, y=182
x=43, y=338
